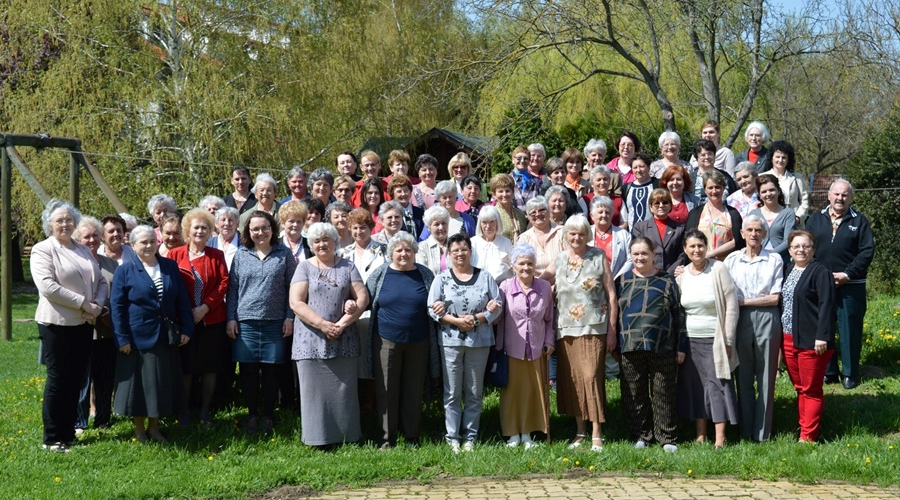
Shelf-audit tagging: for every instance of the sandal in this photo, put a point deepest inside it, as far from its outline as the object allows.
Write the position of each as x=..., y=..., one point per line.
x=578, y=441
x=595, y=446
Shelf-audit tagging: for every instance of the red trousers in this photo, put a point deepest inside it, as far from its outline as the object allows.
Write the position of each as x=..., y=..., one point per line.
x=807, y=372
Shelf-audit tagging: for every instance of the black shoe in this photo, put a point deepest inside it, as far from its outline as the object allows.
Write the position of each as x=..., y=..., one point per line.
x=832, y=379
x=851, y=382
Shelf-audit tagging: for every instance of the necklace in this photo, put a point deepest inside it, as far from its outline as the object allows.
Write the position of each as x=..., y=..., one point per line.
x=573, y=266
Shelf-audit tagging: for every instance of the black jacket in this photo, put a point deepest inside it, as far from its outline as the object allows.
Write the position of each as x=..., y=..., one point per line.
x=815, y=312
x=669, y=252
x=761, y=159
x=852, y=248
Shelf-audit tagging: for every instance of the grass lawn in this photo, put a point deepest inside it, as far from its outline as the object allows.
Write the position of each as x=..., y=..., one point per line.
x=860, y=441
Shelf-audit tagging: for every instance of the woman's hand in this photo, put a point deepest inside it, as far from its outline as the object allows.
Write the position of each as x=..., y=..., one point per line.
x=184, y=340
x=611, y=341
x=729, y=350
x=350, y=307
x=821, y=347
x=680, y=357
x=200, y=312
x=493, y=306
x=548, y=350
x=231, y=329
x=125, y=349
x=331, y=330
x=438, y=308
x=90, y=310
x=287, y=328
x=678, y=271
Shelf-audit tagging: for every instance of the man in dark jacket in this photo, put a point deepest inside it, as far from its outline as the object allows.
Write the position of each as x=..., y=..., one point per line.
x=845, y=244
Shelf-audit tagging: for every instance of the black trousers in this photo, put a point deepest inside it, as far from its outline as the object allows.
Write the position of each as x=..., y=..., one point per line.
x=66, y=350
x=648, y=395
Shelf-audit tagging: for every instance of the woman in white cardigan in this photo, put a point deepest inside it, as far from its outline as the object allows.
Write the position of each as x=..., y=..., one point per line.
x=780, y=163
x=490, y=249
x=613, y=240
x=708, y=357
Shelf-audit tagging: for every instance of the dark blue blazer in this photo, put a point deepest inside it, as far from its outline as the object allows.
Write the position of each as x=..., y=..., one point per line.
x=417, y=215
x=135, y=308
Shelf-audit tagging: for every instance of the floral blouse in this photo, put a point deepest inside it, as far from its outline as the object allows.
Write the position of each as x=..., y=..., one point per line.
x=581, y=298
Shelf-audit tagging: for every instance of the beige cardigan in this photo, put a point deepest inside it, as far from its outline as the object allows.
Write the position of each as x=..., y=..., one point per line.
x=727, y=310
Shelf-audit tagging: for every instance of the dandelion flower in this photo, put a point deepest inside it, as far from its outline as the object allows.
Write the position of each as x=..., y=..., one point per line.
x=690, y=471
x=577, y=462
x=591, y=468
x=868, y=460
x=210, y=458
x=57, y=479
x=565, y=459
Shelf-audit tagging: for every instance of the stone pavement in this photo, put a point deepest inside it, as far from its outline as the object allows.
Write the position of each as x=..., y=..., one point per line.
x=611, y=487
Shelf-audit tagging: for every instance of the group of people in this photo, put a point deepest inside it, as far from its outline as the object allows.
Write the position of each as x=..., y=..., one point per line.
x=357, y=294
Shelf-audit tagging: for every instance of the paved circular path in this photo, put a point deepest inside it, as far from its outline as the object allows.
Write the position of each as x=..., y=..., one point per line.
x=611, y=487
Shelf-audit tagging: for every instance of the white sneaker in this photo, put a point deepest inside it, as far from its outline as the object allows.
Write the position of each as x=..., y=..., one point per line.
x=513, y=441
x=526, y=438
x=640, y=444
x=531, y=444
x=670, y=448
x=454, y=447
x=469, y=446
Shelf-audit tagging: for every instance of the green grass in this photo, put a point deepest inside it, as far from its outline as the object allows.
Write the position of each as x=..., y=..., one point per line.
x=860, y=442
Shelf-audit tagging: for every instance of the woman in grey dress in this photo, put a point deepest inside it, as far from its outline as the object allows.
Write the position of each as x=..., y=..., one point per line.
x=328, y=296
x=779, y=219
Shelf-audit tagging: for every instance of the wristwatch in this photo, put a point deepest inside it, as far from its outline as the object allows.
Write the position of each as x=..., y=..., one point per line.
x=475, y=316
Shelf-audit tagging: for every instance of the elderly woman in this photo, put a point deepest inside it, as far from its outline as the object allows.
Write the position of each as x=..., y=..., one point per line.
x=399, y=335
x=259, y=315
x=675, y=179
x=538, y=155
x=390, y=216
x=705, y=151
x=709, y=299
x=97, y=385
x=779, y=220
x=264, y=189
x=459, y=222
x=628, y=144
x=808, y=317
x=227, y=240
x=347, y=165
x=459, y=167
x=651, y=325
x=558, y=201
x=292, y=217
x=170, y=231
x=526, y=333
x=344, y=187
x=336, y=214
x=242, y=199
x=423, y=193
x=527, y=185
x=400, y=188
x=781, y=163
x=665, y=234
x=725, y=160
x=586, y=330
x=296, y=183
x=158, y=207
x=490, y=249
x=746, y=199
x=432, y=252
x=328, y=296
x=515, y=222
x=211, y=204
x=148, y=368
x=601, y=185
x=544, y=236
x=755, y=135
x=613, y=240
x=113, y=235
x=319, y=185
x=398, y=164
x=757, y=275
x=594, y=153
x=556, y=176
x=471, y=201
x=720, y=223
x=670, y=147
x=465, y=301
x=205, y=276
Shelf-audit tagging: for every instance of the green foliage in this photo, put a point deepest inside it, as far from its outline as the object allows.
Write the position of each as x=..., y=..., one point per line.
x=523, y=125
x=874, y=176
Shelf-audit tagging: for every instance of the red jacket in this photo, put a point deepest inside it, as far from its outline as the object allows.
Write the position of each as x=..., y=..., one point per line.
x=214, y=273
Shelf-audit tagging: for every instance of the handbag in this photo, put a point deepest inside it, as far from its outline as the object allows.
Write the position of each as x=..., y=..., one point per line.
x=173, y=331
x=497, y=373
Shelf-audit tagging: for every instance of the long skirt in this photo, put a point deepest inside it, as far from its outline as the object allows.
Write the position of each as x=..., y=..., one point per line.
x=524, y=402
x=329, y=408
x=148, y=383
x=701, y=394
x=581, y=377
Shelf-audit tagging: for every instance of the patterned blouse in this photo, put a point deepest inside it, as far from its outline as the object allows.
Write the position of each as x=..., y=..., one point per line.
x=329, y=289
x=581, y=298
x=462, y=299
x=650, y=314
x=718, y=229
x=787, y=297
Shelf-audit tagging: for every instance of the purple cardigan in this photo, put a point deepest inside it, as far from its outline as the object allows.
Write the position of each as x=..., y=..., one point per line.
x=526, y=316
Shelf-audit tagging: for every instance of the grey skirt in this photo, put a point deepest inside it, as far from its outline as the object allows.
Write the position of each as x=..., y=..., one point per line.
x=148, y=383
x=700, y=393
x=329, y=408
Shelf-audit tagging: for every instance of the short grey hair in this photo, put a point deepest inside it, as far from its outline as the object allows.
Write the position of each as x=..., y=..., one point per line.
x=390, y=205
x=433, y=213
x=763, y=130
x=669, y=135
x=228, y=211
x=602, y=201
x=445, y=188
x=522, y=250
x=319, y=174
x=714, y=175
x=129, y=219
x=401, y=237
x=845, y=181
x=54, y=205
x=323, y=229
x=488, y=213
x=577, y=222
x=554, y=190
x=297, y=171
x=138, y=231
x=593, y=145
x=746, y=165
x=601, y=169
x=755, y=218
x=268, y=179
x=211, y=200
x=535, y=203
x=340, y=206
x=87, y=221
x=537, y=147
x=160, y=199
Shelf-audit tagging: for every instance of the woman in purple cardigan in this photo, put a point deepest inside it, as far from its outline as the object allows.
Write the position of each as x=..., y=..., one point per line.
x=526, y=332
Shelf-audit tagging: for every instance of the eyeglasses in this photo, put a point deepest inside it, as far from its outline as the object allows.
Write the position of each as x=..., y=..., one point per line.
x=260, y=230
x=801, y=247
x=537, y=212
x=522, y=158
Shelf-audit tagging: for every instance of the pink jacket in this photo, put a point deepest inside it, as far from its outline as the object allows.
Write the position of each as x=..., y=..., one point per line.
x=526, y=316
x=65, y=282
